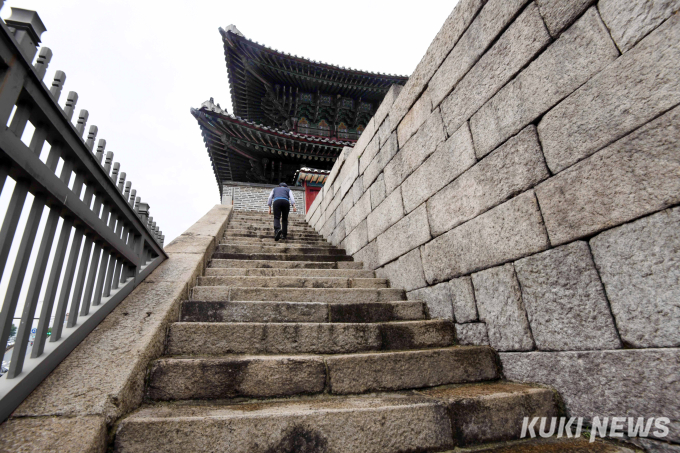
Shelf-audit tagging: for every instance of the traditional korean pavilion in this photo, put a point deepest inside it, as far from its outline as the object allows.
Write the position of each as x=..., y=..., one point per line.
x=288, y=112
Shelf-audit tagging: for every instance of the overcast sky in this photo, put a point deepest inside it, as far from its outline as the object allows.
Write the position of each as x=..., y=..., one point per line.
x=138, y=66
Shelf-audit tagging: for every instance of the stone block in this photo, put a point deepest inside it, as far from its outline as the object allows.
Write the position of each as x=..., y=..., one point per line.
x=357, y=239
x=378, y=191
x=472, y=334
x=338, y=234
x=619, y=383
x=344, y=207
x=634, y=176
x=405, y=273
x=655, y=446
x=559, y=14
x=363, y=141
x=403, y=236
x=523, y=39
x=458, y=21
x=369, y=153
x=463, y=298
x=639, y=264
x=386, y=104
x=357, y=189
x=418, y=148
x=350, y=177
x=630, y=92
x=85, y=434
x=184, y=267
x=384, y=156
x=437, y=298
x=384, y=131
x=565, y=300
x=580, y=52
x=212, y=223
x=513, y=168
x=368, y=256
x=631, y=21
x=414, y=119
x=507, y=232
x=358, y=213
x=187, y=243
x=489, y=23
x=451, y=158
x=389, y=212
x=499, y=301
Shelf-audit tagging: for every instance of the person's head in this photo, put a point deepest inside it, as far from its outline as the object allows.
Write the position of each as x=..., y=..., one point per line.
x=283, y=184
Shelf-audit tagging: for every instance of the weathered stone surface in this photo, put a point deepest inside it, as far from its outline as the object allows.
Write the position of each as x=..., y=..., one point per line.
x=54, y=434
x=247, y=376
x=559, y=14
x=357, y=189
x=330, y=295
x=500, y=306
x=359, y=212
x=565, y=300
x=631, y=91
x=386, y=104
x=525, y=37
x=414, y=119
x=384, y=156
x=338, y=234
x=403, y=236
x=369, y=153
x=493, y=412
x=451, y=158
x=632, y=177
x=489, y=23
x=350, y=177
x=472, y=334
x=410, y=369
x=505, y=233
x=437, y=298
x=385, y=130
x=457, y=22
x=516, y=166
x=357, y=239
x=619, y=383
x=179, y=267
x=631, y=21
x=368, y=256
x=378, y=191
x=363, y=141
x=389, y=212
x=418, y=148
x=639, y=264
x=378, y=312
x=344, y=207
x=583, y=50
x=187, y=243
x=218, y=312
x=463, y=299
x=405, y=273
x=303, y=426
x=654, y=446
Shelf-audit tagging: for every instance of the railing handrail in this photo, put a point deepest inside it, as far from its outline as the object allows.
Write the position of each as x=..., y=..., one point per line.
x=120, y=243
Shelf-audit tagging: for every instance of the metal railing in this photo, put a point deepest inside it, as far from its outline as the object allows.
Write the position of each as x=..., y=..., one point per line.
x=106, y=243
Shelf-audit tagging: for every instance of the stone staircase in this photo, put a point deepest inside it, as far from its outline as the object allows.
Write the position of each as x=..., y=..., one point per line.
x=291, y=346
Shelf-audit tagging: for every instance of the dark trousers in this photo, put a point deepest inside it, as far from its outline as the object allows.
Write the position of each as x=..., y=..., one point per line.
x=281, y=210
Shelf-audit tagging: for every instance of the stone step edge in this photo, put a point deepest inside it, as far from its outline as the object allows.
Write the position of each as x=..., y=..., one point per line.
x=272, y=264
x=440, y=418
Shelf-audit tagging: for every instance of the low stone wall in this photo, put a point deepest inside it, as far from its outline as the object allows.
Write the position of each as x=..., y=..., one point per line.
x=245, y=196
x=103, y=378
x=525, y=182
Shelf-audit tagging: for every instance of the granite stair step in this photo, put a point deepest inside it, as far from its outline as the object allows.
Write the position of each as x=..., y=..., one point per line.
x=268, y=376
x=329, y=295
x=550, y=445
x=268, y=264
x=339, y=273
x=190, y=338
x=268, y=227
x=281, y=256
x=271, y=242
x=260, y=311
x=270, y=235
x=281, y=249
x=293, y=282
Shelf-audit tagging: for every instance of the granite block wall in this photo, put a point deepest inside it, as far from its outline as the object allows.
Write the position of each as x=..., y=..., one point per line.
x=253, y=197
x=525, y=183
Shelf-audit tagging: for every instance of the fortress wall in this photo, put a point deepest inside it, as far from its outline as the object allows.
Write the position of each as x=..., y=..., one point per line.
x=253, y=197
x=525, y=182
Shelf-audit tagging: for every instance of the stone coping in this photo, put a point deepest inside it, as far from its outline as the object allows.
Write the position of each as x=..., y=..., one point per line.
x=103, y=378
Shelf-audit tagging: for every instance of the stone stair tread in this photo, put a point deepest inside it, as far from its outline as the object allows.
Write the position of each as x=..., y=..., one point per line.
x=335, y=295
x=263, y=272
x=281, y=257
x=550, y=445
x=282, y=264
x=278, y=249
x=378, y=422
x=188, y=338
x=267, y=311
x=293, y=282
x=270, y=375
